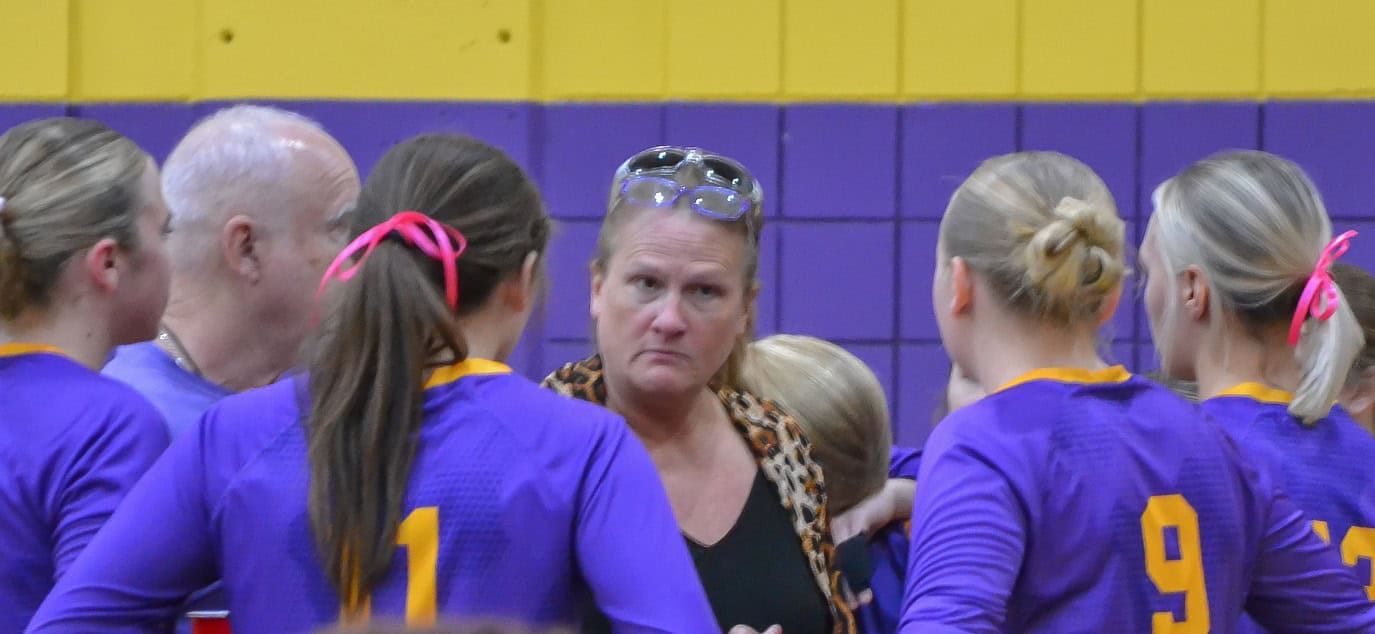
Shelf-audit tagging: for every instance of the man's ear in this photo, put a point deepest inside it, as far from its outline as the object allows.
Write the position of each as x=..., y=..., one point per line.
x=240, y=244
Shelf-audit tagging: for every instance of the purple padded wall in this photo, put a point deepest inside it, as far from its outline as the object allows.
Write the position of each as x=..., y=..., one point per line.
x=837, y=279
x=854, y=194
x=1335, y=144
x=580, y=147
x=941, y=146
x=840, y=161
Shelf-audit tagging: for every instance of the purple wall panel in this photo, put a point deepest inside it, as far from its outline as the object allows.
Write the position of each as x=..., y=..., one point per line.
x=924, y=371
x=569, y=279
x=1362, y=251
x=918, y=262
x=840, y=161
x=746, y=132
x=155, y=127
x=837, y=279
x=14, y=114
x=941, y=146
x=1173, y=135
x=1335, y=144
x=368, y=129
x=581, y=147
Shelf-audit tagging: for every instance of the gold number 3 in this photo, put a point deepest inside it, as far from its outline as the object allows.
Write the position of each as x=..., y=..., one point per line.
x=1358, y=544
x=1184, y=574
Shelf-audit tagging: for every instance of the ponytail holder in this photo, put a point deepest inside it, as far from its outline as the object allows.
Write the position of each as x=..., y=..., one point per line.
x=441, y=242
x=1319, y=298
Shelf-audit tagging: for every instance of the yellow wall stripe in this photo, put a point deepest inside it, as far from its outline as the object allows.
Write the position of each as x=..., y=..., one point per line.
x=33, y=50
x=1185, y=54
x=1319, y=48
x=618, y=50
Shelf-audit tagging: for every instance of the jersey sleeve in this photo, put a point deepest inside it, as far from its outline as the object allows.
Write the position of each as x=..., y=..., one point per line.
x=968, y=538
x=152, y=553
x=904, y=462
x=1300, y=583
x=626, y=534
x=100, y=474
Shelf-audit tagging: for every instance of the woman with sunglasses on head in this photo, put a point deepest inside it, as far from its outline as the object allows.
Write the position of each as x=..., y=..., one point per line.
x=409, y=473
x=83, y=269
x=1076, y=497
x=1241, y=299
x=673, y=287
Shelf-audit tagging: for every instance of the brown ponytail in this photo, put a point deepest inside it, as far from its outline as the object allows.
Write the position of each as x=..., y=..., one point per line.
x=391, y=325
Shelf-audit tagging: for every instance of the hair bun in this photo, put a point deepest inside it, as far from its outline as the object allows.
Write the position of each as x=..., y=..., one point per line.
x=1077, y=212
x=1071, y=258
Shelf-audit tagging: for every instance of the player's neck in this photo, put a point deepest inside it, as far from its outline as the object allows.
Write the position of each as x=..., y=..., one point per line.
x=228, y=348
x=75, y=332
x=1238, y=355
x=488, y=332
x=1020, y=348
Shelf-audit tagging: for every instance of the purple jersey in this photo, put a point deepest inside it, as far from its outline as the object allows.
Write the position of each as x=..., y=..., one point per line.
x=182, y=397
x=72, y=443
x=1095, y=501
x=520, y=502
x=1325, y=467
x=888, y=553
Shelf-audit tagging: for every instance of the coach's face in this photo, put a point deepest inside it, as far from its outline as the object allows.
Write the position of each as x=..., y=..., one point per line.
x=671, y=303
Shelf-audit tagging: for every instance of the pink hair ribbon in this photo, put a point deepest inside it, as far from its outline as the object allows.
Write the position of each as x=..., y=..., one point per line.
x=441, y=242
x=1319, y=298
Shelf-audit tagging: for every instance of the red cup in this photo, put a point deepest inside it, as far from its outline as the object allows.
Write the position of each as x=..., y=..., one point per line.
x=209, y=622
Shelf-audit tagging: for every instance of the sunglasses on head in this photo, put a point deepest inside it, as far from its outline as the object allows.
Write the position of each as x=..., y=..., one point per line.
x=715, y=186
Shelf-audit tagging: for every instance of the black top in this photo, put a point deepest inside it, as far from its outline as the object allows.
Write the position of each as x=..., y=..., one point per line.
x=756, y=575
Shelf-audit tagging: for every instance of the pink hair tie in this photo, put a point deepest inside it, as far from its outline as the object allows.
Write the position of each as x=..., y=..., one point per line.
x=1319, y=298
x=441, y=242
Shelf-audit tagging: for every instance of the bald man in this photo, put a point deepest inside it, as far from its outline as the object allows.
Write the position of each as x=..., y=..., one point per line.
x=259, y=199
